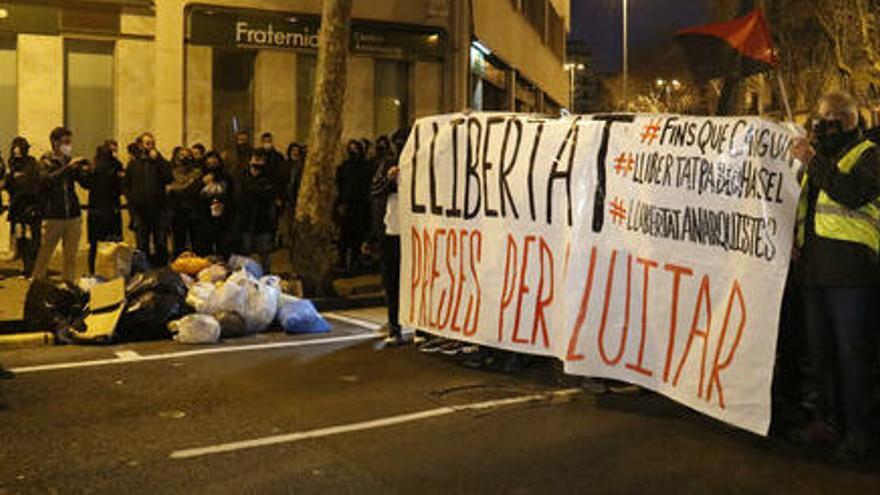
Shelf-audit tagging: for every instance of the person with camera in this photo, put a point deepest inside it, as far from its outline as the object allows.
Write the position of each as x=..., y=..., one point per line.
x=838, y=242
x=146, y=179
x=59, y=173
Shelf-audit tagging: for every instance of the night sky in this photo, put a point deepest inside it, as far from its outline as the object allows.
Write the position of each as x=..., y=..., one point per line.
x=652, y=25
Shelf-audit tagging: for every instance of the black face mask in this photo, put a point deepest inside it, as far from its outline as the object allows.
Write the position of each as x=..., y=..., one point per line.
x=831, y=136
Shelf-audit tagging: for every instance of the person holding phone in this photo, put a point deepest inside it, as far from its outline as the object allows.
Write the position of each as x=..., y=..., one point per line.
x=59, y=173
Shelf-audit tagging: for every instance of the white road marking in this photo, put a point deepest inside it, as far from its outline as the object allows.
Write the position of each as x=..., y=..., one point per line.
x=198, y=352
x=128, y=355
x=369, y=425
x=369, y=325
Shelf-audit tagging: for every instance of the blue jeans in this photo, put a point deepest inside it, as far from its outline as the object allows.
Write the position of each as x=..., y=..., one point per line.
x=839, y=323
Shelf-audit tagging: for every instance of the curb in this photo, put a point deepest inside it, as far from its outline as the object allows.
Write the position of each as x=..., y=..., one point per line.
x=27, y=339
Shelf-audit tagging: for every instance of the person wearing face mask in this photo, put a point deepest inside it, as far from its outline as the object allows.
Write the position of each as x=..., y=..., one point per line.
x=257, y=209
x=25, y=209
x=61, y=209
x=838, y=241
x=146, y=178
x=105, y=205
x=214, y=209
x=183, y=196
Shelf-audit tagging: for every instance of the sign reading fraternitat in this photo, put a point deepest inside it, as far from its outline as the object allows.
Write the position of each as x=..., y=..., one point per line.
x=651, y=249
x=268, y=30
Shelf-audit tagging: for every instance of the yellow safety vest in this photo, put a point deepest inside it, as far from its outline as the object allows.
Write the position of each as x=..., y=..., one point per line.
x=835, y=221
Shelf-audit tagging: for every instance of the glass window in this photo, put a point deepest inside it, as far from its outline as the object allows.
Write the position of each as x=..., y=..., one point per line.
x=391, y=90
x=306, y=68
x=8, y=92
x=89, y=105
x=233, y=95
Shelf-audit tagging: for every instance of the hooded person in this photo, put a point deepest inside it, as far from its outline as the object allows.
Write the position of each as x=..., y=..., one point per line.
x=25, y=210
x=838, y=239
x=146, y=179
x=105, y=204
x=352, y=209
x=214, y=213
x=183, y=200
x=257, y=212
x=59, y=173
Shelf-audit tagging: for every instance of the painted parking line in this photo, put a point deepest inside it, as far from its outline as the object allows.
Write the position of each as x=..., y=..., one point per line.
x=129, y=359
x=370, y=425
x=358, y=322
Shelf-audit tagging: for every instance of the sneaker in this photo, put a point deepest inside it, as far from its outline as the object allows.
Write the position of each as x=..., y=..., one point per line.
x=623, y=388
x=470, y=349
x=419, y=339
x=394, y=341
x=452, y=348
x=433, y=346
x=595, y=386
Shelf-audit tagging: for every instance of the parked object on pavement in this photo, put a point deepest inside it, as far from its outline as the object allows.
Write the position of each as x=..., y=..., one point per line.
x=232, y=324
x=190, y=264
x=302, y=317
x=195, y=329
x=114, y=259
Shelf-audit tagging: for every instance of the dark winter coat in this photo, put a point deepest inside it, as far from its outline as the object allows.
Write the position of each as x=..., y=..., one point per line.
x=145, y=181
x=23, y=186
x=257, y=196
x=58, y=180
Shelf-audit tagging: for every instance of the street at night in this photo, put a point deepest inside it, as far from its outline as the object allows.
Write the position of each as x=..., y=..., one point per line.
x=120, y=427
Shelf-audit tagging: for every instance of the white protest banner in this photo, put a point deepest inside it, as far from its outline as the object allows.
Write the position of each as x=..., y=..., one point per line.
x=649, y=249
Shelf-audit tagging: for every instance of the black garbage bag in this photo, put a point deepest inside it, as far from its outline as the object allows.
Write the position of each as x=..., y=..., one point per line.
x=146, y=317
x=232, y=324
x=52, y=306
x=161, y=281
x=140, y=263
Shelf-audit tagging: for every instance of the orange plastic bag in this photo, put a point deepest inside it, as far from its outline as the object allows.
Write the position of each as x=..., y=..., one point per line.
x=190, y=264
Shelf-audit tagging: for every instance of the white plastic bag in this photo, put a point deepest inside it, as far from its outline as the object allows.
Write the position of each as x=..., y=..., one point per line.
x=262, y=303
x=199, y=295
x=195, y=329
x=231, y=296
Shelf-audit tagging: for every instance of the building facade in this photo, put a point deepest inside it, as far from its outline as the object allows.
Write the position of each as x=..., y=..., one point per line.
x=197, y=71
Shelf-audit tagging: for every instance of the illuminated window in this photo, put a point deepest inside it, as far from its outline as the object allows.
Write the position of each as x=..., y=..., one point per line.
x=233, y=95
x=391, y=90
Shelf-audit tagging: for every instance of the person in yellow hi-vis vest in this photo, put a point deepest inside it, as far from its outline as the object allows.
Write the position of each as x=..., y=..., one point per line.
x=838, y=241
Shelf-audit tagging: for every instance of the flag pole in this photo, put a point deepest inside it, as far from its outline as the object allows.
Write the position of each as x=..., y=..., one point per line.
x=784, y=93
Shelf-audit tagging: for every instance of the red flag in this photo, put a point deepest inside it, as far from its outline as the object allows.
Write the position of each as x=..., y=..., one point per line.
x=713, y=48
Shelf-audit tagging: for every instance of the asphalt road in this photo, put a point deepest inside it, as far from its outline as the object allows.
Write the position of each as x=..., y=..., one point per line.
x=350, y=418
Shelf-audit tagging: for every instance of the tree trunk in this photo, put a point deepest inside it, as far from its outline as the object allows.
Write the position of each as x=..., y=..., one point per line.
x=313, y=254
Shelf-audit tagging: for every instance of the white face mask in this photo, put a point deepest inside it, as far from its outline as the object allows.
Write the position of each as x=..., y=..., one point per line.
x=66, y=150
x=267, y=146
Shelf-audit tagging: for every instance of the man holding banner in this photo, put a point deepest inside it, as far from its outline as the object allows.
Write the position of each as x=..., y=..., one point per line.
x=839, y=238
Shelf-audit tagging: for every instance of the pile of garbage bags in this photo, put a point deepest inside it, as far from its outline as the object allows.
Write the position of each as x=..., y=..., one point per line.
x=194, y=301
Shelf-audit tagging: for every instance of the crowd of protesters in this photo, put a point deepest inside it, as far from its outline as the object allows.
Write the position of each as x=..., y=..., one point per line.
x=209, y=202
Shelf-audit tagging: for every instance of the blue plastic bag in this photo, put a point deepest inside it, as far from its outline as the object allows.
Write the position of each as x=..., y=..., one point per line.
x=302, y=317
x=253, y=268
